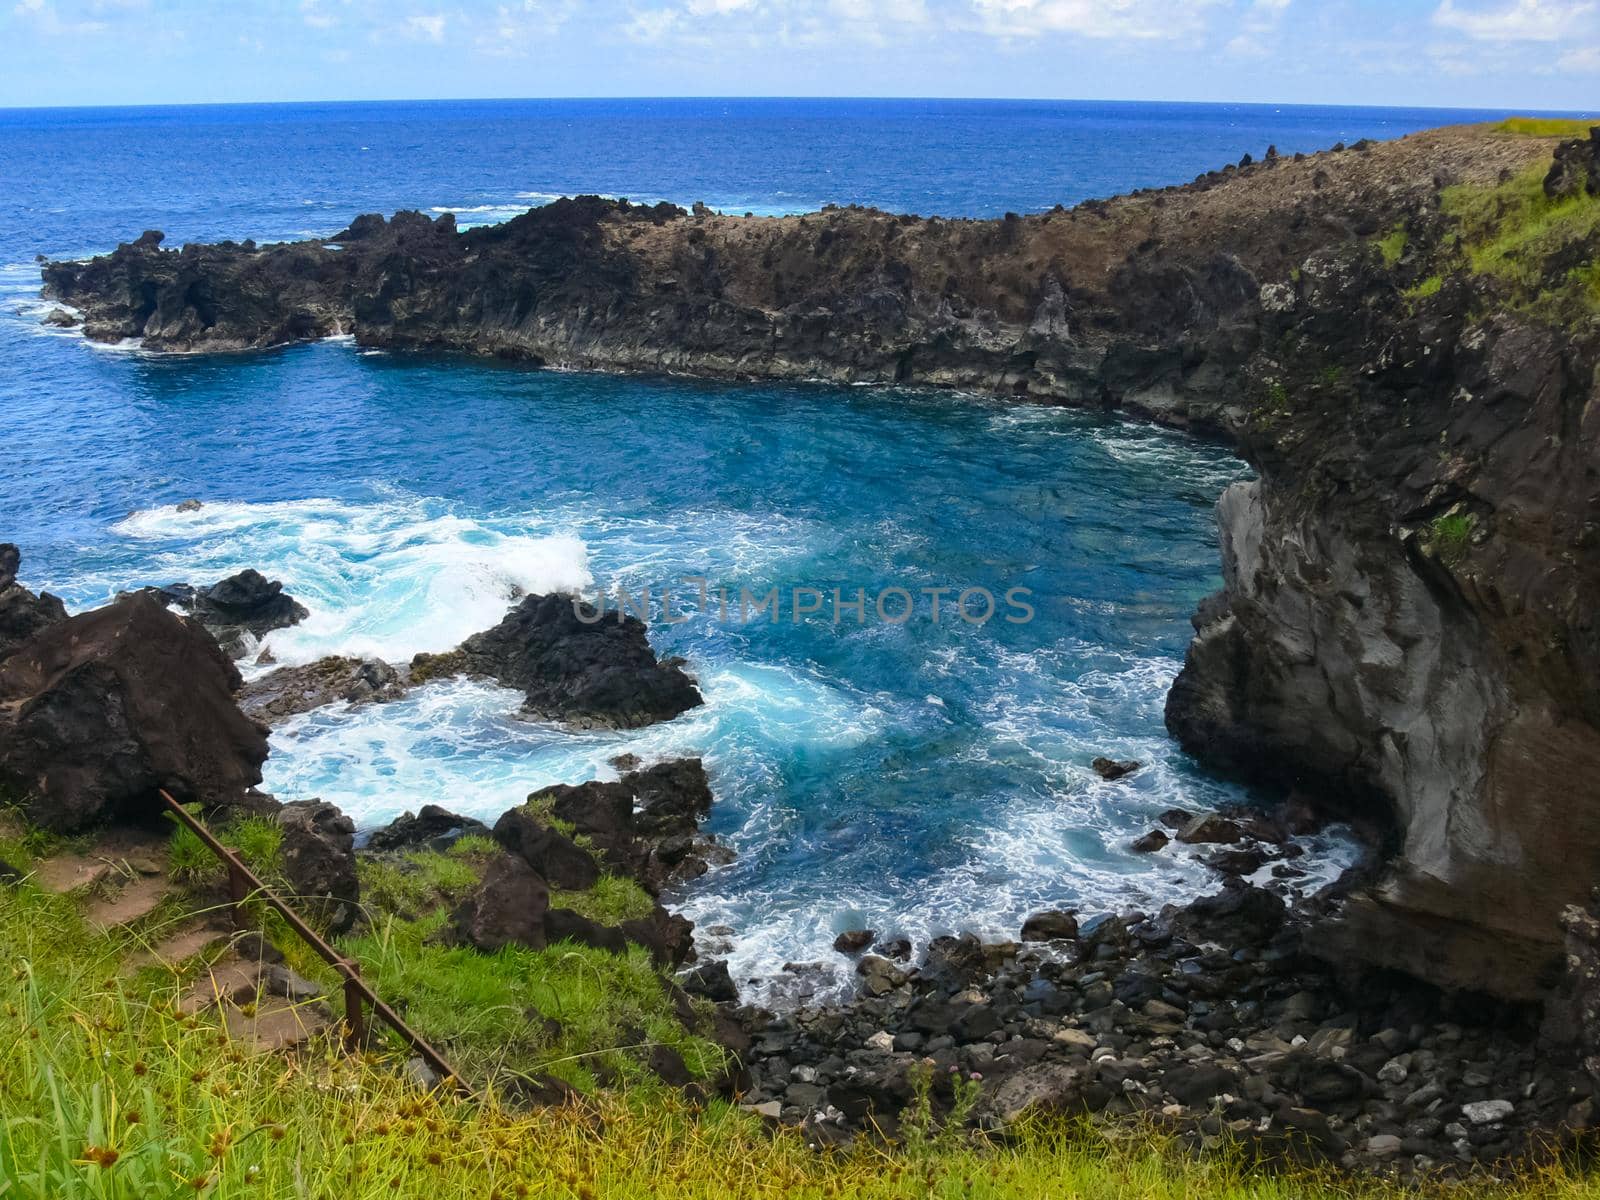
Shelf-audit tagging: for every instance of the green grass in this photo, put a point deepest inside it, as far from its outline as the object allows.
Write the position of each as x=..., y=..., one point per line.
x=106, y=1094
x=613, y=900
x=1450, y=535
x=258, y=839
x=1392, y=245
x=1431, y=286
x=1513, y=231
x=568, y=1010
x=414, y=882
x=1547, y=127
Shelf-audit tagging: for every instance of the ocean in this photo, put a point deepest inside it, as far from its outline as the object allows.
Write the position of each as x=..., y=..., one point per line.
x=919, y=776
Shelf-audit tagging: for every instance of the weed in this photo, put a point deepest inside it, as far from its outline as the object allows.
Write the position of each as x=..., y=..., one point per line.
x=1450, y=535
x=1392, y=245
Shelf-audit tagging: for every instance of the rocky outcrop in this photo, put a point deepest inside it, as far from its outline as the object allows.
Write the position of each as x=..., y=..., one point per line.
x=1404, y=629
x=644, y=824
x=430, y=828
x=99, y=710
x=22, y=613
x=575, y=664
x=239, y=610
x=557, y=847
x=319, y=862
x=289, y=691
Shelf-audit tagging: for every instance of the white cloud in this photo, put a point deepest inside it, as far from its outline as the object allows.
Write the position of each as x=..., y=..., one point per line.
x=703, y=8
x=652, y=24
x=425, y=27
x=1521, y=20
x=1138, y=19
x=1585, y=60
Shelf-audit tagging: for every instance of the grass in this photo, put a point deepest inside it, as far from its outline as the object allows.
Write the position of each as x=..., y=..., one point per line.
x=582, y=1014
x=1392, y=245
x=1450, y=536
x=1547, y=127
x=613, y=900
x=258, y=839
x=1513, y=232
x=1431, y=286
x=107, y=1094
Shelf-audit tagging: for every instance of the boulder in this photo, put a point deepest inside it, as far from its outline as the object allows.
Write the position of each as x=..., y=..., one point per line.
x=712, y=981
x=432, y=828
x=99, y=710
x=1043, y=1090
x=1149, y=843
x=853, y=941
x=574, y=664
x=239, y=610
x=507, y=907
x=668, y=936
x=565, y=925
x=555, y=856
x=1211, y=827
x=291, y=690
x=22, y=614
x=319, y=860
x=1575, y=170
x=1051, y=926
x=1240, y=915
x=1110, y=768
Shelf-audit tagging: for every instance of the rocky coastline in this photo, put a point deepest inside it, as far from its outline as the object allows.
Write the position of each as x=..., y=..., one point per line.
x=1402, y=338
x=1222, y=1020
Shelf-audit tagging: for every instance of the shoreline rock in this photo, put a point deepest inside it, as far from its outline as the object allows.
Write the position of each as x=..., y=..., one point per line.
x=574, y=664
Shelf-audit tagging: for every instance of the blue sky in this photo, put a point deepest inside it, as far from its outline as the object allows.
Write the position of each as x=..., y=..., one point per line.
x=1473, y=53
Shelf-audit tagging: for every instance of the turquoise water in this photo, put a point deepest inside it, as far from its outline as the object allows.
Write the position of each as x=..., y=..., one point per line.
x=919, y=777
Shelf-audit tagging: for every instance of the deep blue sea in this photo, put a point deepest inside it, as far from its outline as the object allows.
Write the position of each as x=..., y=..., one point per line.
x=917, y=777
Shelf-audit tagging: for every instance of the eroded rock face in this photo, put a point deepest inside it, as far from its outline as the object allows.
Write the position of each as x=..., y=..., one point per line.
x=575, y=664
x=22, y=614
x=1407, y=628
x=99, y=710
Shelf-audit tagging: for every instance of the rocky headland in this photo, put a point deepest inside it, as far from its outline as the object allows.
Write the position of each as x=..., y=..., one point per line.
x=1402, y=338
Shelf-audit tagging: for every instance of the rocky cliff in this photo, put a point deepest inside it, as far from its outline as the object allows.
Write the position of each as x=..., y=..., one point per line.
x=1400, y=337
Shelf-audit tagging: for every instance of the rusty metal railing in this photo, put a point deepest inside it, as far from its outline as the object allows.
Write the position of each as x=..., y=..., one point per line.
x=244, y=884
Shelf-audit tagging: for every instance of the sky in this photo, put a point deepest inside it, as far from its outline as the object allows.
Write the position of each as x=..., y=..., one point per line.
x=1521, y=54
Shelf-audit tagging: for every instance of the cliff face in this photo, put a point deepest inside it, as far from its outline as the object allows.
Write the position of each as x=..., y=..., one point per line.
x=1401, y=338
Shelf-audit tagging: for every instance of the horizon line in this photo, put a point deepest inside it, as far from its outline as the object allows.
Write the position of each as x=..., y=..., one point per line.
x=186, y=104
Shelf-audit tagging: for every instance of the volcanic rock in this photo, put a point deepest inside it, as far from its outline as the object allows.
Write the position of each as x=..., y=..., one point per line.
x=99, y=710
x=291, y=690
x=1050, y=926
x=574, y=664
x=507, y=907
x=319, y=861
x=1110, y=768
x=556, y=857
x=432, y=827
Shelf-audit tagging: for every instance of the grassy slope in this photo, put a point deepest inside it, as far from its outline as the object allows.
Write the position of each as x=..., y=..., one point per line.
x=105, y=1092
